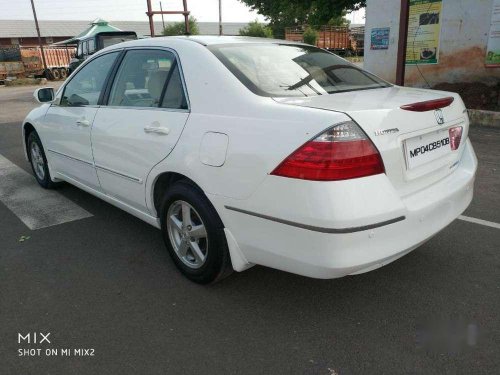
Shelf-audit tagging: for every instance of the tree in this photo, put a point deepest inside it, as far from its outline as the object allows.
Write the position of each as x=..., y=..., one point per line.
x=339, y=20
x=283, y=13
x=257, y=29
x=310, y=36
x=179, y=28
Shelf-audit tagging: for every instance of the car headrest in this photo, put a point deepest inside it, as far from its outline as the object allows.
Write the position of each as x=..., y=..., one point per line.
x=156, y=83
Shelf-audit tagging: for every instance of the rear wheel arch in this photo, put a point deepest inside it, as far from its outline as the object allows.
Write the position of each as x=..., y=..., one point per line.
x=199, y=230
x=163, y=183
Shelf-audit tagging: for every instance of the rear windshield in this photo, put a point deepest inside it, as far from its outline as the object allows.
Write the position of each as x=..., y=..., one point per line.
x=293, y=70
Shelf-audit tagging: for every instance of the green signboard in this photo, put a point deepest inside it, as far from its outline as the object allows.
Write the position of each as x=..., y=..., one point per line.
x=424, y=30
x=493, y=49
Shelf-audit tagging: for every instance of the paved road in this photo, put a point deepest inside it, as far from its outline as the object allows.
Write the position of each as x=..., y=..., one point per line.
x=106, y=283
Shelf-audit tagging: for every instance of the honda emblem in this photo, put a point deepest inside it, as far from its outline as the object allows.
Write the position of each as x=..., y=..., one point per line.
x=439, y=116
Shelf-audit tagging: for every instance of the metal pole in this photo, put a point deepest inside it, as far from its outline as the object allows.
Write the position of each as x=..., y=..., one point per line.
x=186, y=17
x=402, y=42
x=162, y=19
x=39, y=37
x=220, y=17
x=150, y=15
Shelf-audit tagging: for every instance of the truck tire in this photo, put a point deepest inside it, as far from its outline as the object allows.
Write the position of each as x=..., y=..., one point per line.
x=63, y=73
x=56, y=74
x=48, y=74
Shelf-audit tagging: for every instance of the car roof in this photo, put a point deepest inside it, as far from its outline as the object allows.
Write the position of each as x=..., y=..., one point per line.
x=208, y=40
x=200, y=40
x=205, y=40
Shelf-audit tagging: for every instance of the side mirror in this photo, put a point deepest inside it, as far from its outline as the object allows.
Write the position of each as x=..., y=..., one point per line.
x=44, y=94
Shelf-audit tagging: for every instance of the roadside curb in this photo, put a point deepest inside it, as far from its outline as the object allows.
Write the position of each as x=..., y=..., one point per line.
x=25, y=82
x=489, y=119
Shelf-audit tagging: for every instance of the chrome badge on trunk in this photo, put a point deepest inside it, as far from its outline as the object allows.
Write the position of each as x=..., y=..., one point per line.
x=386, y=131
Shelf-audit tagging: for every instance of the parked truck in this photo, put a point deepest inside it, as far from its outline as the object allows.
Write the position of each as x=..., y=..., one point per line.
x=100, y=34
x=19, y=61
x=90, y=44
x=338, y=39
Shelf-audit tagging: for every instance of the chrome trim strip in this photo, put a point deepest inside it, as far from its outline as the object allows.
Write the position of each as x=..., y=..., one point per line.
x=70, y=157
x=146, y=108
x=119, y=174
x=319, y=229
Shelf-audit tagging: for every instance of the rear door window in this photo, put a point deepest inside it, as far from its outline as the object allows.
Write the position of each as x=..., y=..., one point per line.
x=148, y=78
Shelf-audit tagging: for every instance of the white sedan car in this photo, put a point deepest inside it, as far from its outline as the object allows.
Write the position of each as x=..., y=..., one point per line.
x=251, y=151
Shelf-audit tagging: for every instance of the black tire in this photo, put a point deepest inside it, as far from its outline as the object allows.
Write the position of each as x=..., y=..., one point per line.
x=56, y=74
x=63, y=73
x=45, y=182
x=48, y=74
x=217, y=264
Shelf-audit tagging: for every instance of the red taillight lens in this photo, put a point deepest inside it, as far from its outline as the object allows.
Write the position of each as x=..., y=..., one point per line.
x=428, y=105
x=340, y=153
x=455, y=137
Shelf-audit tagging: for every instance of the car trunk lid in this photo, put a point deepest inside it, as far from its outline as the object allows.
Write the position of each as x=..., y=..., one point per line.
x=398, y=133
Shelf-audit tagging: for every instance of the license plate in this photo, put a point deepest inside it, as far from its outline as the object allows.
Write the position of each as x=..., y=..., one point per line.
x=427, y=148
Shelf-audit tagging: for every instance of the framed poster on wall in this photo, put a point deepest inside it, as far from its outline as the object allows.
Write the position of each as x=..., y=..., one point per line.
x=493, y=48
x=424, y=31
x=380, y=38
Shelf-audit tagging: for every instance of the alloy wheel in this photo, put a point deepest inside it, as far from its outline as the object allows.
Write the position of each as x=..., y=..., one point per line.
x=187, y=234
x=37, y=161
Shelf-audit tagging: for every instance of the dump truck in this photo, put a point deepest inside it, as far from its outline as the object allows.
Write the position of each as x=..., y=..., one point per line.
x=338, y=39
x=20, y=62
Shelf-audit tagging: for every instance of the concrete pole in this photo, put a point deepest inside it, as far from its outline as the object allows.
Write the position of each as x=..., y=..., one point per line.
x=162, y=19
x=39, y=37
x=220, y=17
x=402, y=42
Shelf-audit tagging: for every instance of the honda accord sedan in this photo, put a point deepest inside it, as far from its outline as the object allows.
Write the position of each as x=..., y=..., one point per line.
x=247, y=151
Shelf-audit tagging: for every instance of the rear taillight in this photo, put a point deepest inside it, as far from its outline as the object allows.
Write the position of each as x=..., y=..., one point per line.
x=428, y=105
x=340, y=153
x=455, y=137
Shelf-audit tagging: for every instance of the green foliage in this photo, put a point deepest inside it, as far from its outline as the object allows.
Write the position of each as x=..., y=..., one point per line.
x=339, y=20
x=178, y=28
x=310, y=36
x=283, y=13
x=256, y=29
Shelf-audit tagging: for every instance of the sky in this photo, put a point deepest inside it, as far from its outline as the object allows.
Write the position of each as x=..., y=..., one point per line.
x=133, y=10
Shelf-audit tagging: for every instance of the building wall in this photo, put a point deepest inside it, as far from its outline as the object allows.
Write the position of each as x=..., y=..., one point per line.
x=30, y=42
x=465, y=26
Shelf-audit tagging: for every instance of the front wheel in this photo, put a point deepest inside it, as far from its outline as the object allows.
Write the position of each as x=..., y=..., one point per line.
x=38, y=161
x=194, y=234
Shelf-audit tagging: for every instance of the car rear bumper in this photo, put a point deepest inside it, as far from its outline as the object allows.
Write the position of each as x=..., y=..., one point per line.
x=361, y=227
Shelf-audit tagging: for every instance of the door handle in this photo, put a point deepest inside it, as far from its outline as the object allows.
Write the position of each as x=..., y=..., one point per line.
x=157, y=130
x=83, y=123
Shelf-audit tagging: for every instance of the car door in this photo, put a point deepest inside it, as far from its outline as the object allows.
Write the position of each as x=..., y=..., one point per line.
x=145, y=114
x=67, y=124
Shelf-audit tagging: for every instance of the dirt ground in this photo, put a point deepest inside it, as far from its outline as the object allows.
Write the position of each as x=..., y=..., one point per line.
x=15, y=99
x=475, y=95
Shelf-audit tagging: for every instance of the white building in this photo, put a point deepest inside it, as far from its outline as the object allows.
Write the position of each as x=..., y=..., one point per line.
x=461, y=44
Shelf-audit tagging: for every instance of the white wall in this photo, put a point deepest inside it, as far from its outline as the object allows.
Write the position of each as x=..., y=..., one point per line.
x=465, y=27
x=382, y=13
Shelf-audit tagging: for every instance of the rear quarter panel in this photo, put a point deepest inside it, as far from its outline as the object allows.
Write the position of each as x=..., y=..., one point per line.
x=261, y=133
